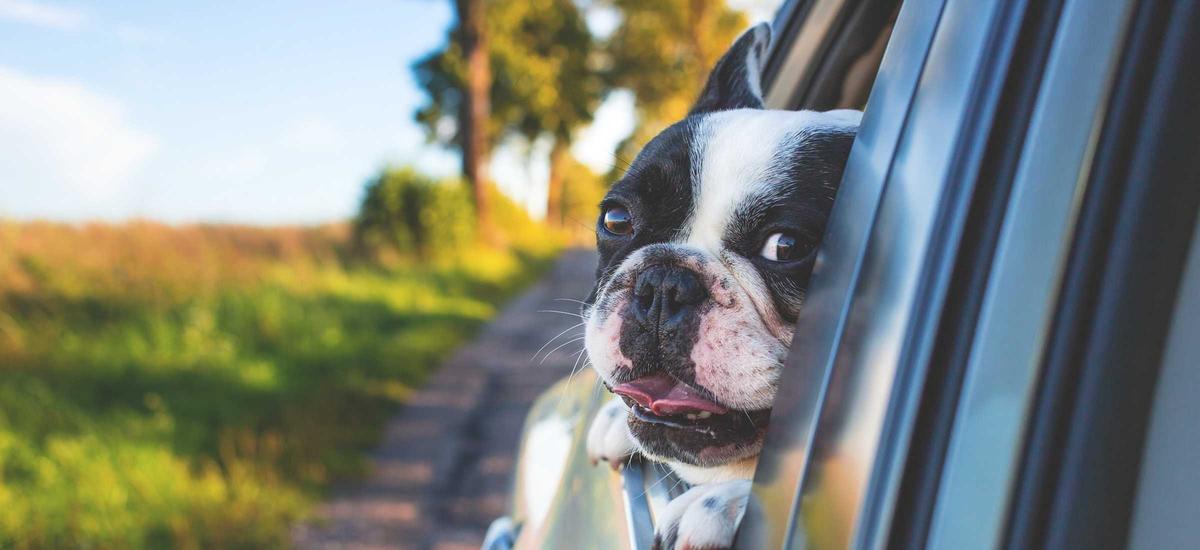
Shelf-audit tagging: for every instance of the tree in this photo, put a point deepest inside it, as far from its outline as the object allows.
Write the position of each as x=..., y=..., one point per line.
x=475, y=111
x=663, y=52
x=458, y=79
x=543, y=82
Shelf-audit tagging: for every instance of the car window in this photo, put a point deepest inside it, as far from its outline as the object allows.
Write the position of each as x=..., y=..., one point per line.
x=830, y=57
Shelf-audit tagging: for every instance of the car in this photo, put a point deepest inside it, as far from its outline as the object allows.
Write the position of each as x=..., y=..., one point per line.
x=998, y=347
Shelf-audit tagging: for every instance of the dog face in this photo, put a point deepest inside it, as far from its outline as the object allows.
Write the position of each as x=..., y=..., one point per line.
x=706, y=245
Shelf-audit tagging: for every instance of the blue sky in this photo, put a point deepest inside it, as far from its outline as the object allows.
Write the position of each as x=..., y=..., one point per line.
x=229, y=111
x=249, y=112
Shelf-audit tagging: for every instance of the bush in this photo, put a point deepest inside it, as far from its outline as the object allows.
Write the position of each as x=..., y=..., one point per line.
x=407, y=214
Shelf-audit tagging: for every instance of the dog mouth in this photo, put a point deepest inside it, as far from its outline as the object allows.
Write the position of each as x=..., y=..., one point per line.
x=659, y=400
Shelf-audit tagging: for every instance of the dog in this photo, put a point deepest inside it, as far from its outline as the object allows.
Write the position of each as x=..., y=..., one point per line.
x=706, y=245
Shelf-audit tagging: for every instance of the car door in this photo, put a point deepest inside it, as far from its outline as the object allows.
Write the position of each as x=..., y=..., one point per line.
x=951, y=385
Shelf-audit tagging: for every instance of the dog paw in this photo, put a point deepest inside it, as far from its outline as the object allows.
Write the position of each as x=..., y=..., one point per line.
x=608, y=438
x=704, y=518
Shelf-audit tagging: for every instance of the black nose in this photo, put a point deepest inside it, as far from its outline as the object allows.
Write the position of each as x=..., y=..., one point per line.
x=664, y=296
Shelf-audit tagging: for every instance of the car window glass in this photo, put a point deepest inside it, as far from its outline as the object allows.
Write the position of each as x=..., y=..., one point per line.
x=1169, y=491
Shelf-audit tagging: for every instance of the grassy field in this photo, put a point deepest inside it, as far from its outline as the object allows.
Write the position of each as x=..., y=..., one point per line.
x=199, y=386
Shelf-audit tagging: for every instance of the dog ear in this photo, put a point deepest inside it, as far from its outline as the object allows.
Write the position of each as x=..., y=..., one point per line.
x=736, y=81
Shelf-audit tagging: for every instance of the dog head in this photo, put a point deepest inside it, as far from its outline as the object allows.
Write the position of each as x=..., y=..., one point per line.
x=706, y=245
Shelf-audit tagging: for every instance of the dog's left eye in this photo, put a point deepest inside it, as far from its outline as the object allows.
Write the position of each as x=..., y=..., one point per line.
x=780, y=247
x=618, y=221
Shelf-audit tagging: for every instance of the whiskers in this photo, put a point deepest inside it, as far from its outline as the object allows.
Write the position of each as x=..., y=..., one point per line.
x=551, y=341
x=571, y=377
x=576, y=315
x=572, y=338
x=579, y=358
x=579, y=338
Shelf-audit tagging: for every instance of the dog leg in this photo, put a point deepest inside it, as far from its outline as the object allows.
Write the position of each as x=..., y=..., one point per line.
x=608, y=438
x=706, y=517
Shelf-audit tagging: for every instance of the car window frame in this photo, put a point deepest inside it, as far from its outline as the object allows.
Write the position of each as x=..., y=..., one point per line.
x=888, y=435
x=770, y=518
x=878, y=360
x=1024, y=34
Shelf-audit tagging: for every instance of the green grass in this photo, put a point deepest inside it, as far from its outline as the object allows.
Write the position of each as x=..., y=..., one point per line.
x=170, y=405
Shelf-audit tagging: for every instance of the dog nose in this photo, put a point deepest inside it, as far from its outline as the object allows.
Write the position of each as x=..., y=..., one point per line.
x=665, y=295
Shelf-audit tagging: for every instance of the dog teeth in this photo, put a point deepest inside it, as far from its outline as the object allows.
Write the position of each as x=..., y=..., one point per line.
x=703, y=414
x=692, y=416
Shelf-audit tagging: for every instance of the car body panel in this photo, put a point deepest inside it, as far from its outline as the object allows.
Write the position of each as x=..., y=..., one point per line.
x=558, y=495
x=560, y=499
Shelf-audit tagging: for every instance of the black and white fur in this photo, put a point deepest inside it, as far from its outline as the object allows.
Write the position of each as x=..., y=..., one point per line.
x=707, y=198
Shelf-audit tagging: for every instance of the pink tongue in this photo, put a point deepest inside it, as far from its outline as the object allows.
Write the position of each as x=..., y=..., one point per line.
x=663, y=395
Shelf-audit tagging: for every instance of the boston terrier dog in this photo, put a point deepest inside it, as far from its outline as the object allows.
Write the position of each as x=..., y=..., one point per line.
x=706, y=245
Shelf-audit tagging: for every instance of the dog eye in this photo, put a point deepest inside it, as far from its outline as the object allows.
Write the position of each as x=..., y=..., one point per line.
x=780, y=247
x=618, y=221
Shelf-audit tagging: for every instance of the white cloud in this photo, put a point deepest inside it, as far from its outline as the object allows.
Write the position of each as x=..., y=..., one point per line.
x=43, y=15
x=56, y=135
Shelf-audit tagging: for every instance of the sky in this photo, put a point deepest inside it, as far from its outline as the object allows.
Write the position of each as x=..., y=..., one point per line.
x=264, y=112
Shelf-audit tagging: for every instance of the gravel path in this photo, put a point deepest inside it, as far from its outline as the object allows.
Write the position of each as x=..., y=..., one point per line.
x=442, y=471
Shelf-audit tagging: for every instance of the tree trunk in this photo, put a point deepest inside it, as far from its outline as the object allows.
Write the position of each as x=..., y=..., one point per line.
x=476, y=109
x=556, y=196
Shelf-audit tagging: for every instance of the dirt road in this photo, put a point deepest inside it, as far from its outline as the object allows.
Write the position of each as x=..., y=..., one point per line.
x=442, y=471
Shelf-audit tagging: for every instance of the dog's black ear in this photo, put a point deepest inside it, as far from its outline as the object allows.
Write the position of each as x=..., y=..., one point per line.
x=736, y=81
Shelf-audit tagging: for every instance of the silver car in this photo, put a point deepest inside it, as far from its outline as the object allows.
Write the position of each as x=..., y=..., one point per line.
x=1001, y=343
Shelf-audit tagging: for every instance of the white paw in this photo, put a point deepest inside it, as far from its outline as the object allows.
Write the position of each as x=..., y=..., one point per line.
x=608, y=439
x=704, y=518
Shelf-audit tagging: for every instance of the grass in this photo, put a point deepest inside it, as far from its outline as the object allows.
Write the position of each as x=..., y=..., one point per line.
x=199, y=386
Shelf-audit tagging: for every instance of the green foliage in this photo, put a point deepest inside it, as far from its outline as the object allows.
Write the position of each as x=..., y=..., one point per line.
x=198, y=387
x=406, y=216
x=544, y=81
x=663, y=52
x=407, y=213
x=540, y=53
